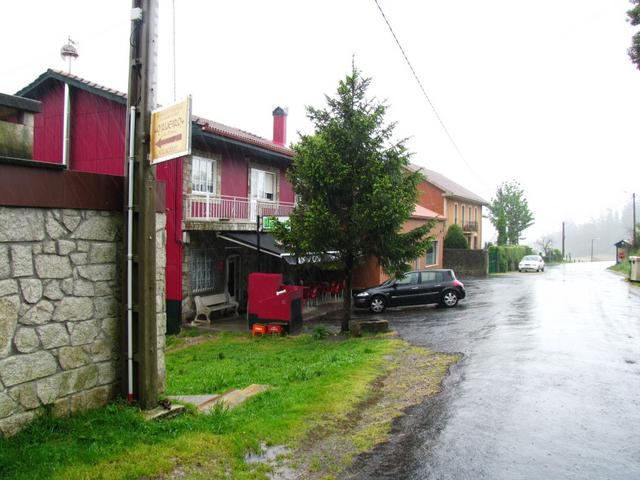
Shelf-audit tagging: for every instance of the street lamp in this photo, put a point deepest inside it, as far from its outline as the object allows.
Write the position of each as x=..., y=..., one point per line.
x=592, y=240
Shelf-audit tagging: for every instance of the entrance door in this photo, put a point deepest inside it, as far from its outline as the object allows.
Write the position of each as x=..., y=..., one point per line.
x=233, y=277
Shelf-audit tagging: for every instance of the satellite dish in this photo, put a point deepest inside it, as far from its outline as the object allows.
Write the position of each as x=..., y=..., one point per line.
x=69, y=52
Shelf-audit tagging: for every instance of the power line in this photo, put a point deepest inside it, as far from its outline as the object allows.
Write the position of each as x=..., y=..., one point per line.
x=424, y=92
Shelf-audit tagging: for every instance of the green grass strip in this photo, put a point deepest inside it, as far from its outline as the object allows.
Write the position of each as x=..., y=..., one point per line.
x=313, y=384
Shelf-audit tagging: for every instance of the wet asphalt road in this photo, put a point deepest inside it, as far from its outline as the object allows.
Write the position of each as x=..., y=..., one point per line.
x=549, y=386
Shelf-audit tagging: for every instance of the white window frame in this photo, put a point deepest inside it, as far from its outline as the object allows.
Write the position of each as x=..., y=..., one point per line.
x=201, y=264
x=462, y=215
x=455, y=213
x=255, y=194
x=211, y=178
x=434, y=253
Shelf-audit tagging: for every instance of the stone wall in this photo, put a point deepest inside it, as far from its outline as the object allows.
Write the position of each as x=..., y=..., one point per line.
x=466, y=263
x=60, y=295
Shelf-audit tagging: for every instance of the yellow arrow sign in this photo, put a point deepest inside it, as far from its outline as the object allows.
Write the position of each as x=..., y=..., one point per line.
x=171, y=132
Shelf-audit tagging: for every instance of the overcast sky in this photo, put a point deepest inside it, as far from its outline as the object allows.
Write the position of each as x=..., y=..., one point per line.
x=542, y=92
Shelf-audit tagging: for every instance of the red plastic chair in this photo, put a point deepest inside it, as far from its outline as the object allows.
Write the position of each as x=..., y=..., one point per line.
x=275, y=329
x=313, y=295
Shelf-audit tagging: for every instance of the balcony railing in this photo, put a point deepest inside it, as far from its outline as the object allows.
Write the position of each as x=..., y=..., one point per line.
x=470, y=226
x=222, y=208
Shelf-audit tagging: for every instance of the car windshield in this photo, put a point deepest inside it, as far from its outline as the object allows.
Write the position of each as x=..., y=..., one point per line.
x=531, y=258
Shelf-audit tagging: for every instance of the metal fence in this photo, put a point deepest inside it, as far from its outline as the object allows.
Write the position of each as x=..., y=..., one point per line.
x=222, y=207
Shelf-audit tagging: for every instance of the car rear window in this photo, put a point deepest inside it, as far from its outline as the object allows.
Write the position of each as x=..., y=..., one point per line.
x=428, y=277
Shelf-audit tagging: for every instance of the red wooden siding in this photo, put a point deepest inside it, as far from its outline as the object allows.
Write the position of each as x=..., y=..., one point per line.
x=47, y=126
x=97, y=134
x=97, y=131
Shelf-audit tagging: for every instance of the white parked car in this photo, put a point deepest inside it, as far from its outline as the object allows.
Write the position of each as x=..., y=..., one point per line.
x=534, y=263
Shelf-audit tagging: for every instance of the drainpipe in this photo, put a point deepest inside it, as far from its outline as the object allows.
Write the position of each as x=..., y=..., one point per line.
x=66, y=126
x=132, y=144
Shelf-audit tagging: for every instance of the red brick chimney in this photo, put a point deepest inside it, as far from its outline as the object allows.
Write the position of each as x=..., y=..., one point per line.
x=280, y=126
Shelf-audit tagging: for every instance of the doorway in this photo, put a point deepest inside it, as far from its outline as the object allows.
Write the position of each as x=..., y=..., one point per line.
x=233, y=277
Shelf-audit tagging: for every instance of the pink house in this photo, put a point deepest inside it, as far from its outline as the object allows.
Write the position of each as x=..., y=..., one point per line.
x=213, y=197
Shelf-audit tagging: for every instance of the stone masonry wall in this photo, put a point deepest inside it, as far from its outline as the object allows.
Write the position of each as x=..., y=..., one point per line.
x=467, y=263
x=59, y=310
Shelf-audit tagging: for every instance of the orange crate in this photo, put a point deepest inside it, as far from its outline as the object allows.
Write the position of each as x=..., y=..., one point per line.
x=258, y=329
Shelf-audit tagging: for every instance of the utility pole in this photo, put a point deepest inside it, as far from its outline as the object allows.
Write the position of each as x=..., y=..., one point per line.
x=563, y=241
x=634, y=238
x=141, y=336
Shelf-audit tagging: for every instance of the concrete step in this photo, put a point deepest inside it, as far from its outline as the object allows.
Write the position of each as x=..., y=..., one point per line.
x=230, y=400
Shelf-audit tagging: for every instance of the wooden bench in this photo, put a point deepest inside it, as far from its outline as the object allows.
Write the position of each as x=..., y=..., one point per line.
x=207, y=304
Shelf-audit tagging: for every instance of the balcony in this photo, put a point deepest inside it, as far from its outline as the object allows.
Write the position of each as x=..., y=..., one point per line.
x=470, y=226
x=203, y=212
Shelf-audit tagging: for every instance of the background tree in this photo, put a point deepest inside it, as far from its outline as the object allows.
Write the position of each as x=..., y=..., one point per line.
x=355, y=191
x=509, y=213
x=455, y=237
x=545, y=244
x=633, y=16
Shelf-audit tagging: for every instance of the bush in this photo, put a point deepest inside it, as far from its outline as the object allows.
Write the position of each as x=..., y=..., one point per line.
x=509, y=256
x=455, y=238
x=321, y=332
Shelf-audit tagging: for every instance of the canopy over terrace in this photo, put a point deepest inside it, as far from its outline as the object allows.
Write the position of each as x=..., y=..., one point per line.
x=266, y=243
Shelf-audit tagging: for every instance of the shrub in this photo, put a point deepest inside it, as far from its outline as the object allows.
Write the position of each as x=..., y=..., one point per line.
x=455, y=238
x=321, y=332
x=509, y=256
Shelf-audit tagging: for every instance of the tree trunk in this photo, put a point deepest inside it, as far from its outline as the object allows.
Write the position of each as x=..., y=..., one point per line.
x=346, y=298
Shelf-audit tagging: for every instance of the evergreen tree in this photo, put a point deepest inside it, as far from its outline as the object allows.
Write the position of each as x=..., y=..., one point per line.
x=455, y=237
x=509, y=213
x=355, y=192
x=634, y=18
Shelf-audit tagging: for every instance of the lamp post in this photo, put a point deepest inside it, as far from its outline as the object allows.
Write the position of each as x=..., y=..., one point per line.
x=592, y=240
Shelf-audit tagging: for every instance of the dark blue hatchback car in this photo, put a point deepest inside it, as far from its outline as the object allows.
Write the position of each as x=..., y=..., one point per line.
x=419, y=287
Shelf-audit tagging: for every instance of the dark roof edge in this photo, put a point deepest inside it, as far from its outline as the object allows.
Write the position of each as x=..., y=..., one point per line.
x=20, y=103
x=27, y=162
x=74, y=82
x=249, y=146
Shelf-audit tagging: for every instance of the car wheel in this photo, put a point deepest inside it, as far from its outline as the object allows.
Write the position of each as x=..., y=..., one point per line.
x=450, y=298
x=543, y=269
x=378, y=304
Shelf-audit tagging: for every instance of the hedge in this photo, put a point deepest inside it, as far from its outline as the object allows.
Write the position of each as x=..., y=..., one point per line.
x=509, y=256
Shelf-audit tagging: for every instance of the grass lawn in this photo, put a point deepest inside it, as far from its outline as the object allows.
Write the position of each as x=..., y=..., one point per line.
x=314, y=384
x=622, y=267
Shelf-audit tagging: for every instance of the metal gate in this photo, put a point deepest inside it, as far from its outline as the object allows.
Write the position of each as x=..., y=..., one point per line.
x=494, y=265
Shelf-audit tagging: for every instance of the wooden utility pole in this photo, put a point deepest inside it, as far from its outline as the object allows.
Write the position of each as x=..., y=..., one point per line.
x=634, y=236
x=142, y=335
x=563, y=241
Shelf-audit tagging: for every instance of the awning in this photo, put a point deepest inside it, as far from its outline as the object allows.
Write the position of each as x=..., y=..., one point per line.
x=270, y=246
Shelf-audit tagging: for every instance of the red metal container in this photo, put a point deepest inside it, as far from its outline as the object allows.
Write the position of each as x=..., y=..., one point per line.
x=272, y=302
